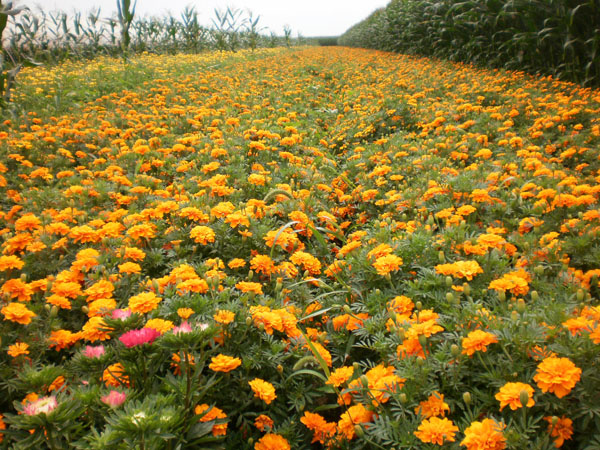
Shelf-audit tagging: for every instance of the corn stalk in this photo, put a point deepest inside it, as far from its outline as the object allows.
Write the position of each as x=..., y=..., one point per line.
x=125, y=13
x=8, y=69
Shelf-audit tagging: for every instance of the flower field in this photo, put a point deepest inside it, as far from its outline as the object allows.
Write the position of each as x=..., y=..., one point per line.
x=299, y=248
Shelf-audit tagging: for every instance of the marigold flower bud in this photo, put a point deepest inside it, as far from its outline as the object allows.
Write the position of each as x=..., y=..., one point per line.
x=467, y=398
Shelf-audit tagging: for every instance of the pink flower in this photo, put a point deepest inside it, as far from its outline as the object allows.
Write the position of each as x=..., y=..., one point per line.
x=42, y=405
x=114, y=398
x=94, y=351
x=121, y=314
x=183, y=328
x=139, y=337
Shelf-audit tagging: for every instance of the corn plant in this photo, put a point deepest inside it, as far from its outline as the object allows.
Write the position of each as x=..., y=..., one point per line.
x=555, y=37
x=287, y=34
x=8, y=67
x=125, y=14
x=252, y=30
x=228, y=25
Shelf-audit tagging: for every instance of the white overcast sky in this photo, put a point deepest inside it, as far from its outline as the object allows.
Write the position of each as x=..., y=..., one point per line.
x=308, y=17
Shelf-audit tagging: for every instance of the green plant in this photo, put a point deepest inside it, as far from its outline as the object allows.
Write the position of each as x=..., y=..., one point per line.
x=8, y=67
x=126, y=13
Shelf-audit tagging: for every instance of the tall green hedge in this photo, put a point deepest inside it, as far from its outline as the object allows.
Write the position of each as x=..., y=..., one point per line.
x=550, y=37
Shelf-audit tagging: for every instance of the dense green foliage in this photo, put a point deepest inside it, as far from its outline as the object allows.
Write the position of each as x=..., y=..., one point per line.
x=551, y=37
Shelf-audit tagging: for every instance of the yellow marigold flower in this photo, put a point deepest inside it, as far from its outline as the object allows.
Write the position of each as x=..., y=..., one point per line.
x=510, y=395
x=160, y=325
x=557, y=375
x=340, y=375
x=224, y=363
x=17, y=312
x=185, y=313
x=434, y=406
x=387, y=263
x=210, y=414
x=18, y=349
x=263, y=390
x=224, y=317
x=486, y=434
x=436, y=431
x=202, y=235
x=477, y=340
x=272, y=441
x=144, y=302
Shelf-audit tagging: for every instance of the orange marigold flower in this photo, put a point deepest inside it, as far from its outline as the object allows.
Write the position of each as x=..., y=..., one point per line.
x=70, y=289
x=16, y=288
x=210, y=414
x=340, y=375
x=236, y=263
x=486, y=434
x=383, y=381
x=129, y=268
x=10, y=262
x=477, y=340
x=224, y=317
x=62, y=338
x=100, y=289
x=202, y=235
x=224, y=363
x=114, y=375
x=460, y=269
x=144, y=302
x=17, y=312
x=59, y=301
x=349, y=322
x=510, y=395
x=263, y=390
x=322, y=430
x=272, y=441
x=560, y=428
x=387, y=263
x=144, y=230
x=95, y=329
x=322, y=351
x=436, y=431
x=355, y=415
x=557, y=375
x=434, y=406
x=2, y=427
x=249, y=286
x=307, y=261
x=18, y=349
x=262, y=264
x=263, y=421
